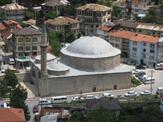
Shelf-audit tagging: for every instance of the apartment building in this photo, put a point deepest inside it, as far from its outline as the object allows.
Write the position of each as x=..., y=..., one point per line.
x=63, y=24
x=160, y=51
x=136, y=48
x=13, y=11
x=140, y=27
x=26, y=42
x=133, y=7
x=92, y=16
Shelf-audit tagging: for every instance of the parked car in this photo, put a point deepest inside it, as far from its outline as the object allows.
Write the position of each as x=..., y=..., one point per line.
x=11, y=61
x=142, y=77
x=145, y=92
x=140, y=67
x=106, y=94
x=140, y=73
x=75, y=98
x=159, y=66
x=88, y=97
x=159, y=90
x=148, y=80
x=131, y=94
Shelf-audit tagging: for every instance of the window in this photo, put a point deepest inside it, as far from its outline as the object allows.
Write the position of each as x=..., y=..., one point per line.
x=28, y=40
x=134, y=43
x=28, y=48
x=144, y=50
x=20, y=40
x=34, y=47
x=34, y=40
x=151, y=45
x=144, y=44
x=134, y=49
x=20, y=48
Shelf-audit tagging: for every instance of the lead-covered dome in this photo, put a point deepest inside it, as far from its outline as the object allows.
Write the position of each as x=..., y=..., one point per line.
x=90, y=54
x=90, y=47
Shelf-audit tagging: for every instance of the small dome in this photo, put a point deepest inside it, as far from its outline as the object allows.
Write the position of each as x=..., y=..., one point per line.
x=90, y=47
x=49, y=57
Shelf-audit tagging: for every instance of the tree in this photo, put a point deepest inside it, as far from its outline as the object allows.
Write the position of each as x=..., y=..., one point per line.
x=3, y=2
x=17, y=100
x=150, y=16
x=77, y=117
x=116, y=13
x=55, y=39
x=100, y=115
x=8, y=84
x=30, y=15
x=51, y=14
x=67, y=11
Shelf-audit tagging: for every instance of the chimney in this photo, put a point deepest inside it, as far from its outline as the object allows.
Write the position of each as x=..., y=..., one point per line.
x=44, y=46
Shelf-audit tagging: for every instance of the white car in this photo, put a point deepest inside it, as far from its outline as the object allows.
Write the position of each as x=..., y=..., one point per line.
x=89, y=97
x=131, y=94
x=11, y=61
x=106, y=94
x=148, y=80
x=75, y=98
x=145, y=92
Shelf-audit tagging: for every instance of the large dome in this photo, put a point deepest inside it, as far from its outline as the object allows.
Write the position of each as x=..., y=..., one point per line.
x=90, y=47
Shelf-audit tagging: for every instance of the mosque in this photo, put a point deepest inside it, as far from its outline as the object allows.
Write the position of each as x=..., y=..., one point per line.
x=88, y=64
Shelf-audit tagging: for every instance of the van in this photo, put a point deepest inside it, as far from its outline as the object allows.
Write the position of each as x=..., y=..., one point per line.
x=59, y=99
x=159, y=90
x=11, y=61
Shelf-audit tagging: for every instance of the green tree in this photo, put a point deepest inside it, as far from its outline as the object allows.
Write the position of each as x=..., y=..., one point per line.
x=116, y=13
x=67, y=11
x=77, y=117
x=2, y=16
x=8, y=84
x=3, y=2
x=100, y=115
x=17, y=100
x=29, y=15
x=150, y=16
x=55, y=39
x=51, y=14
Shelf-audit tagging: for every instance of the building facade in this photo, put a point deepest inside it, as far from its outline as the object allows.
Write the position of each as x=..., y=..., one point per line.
x=54, y=5
x=92, y=16
x=66, y=25
x=88, y=64
x=13, y=11
x=26, y=42
x=136, y=48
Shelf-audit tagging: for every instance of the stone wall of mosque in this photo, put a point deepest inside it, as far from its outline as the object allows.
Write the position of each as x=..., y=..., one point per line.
x=91, y=64
x=84, y=83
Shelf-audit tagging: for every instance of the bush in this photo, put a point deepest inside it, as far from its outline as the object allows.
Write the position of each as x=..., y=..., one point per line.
x=135, y=82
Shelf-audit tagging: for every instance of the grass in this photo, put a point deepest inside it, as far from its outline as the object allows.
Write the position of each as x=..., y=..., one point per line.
x=135, y=82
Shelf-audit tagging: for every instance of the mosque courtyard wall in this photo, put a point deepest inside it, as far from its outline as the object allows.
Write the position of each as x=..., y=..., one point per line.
x=84, y=83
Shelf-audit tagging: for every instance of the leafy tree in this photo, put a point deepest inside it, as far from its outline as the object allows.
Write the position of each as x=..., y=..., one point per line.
x=116, y=13
x=100, y=115
x=3, y=2
x=9, y=82
x=67, y=11
x=51, y=14
x=17, y=100
x=150, y=16
x=2, y=16
x=76, y=117
x=55, y=39
x=29, y=15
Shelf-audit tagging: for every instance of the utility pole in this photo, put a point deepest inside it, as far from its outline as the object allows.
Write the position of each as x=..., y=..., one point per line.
x=151, y=81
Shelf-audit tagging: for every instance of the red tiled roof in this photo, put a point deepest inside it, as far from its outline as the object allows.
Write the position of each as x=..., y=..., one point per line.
x=2, y=27
x=105, y=28
x=134, y=36
x=11, y=115
x=122, y=34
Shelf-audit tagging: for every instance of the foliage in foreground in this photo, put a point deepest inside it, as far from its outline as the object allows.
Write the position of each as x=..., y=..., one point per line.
x=10, y=88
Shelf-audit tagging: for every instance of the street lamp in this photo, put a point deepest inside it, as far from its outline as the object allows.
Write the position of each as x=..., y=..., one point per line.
x=151, y=80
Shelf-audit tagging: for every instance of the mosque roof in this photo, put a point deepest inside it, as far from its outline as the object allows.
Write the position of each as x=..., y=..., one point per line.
x=90, y=47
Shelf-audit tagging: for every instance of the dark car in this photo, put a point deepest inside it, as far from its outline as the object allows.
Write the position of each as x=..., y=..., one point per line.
x=139, y=74
x=139, y=67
